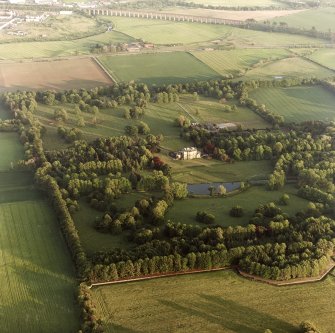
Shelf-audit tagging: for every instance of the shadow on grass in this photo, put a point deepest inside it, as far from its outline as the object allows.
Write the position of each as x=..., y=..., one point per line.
x=231, y=315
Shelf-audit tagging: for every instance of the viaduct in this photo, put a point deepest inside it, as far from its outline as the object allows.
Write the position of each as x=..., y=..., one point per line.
x=163, y=16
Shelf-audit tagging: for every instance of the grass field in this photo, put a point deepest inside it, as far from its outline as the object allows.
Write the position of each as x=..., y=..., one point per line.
x=214, y=302
x=62, y=74
x=203, y=171
x=289, y=68
x=237, y=62
x=37, y=279
x=208, y=110
x=4, y=113
x=321, y=18
x=220, y=207
x=324, y=57
x=298, y=104
x=168, y=32
x=159, y=68
x=10, y=150
x=29, y=50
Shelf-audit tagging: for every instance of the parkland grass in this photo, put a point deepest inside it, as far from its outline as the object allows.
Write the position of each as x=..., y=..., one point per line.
x=298, y=104
x=220, y=207
x=289, y=68
x=204, y=171
x=159, y=68
x=37, y=279
x=214, y=302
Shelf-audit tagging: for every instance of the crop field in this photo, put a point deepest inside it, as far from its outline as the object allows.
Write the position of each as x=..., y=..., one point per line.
x=220, y=207
x=203, y=171
x=241, y=3
x=321, y=18
x=237, y=62
x=298, y=104
x=61, y=74
x=214, y=302
x=258, y=15
x=324, y=57
x=37, y=282
x=10, y=150
x=159, y=68
x=31, y=50
x=168, y=32
x=289, y=68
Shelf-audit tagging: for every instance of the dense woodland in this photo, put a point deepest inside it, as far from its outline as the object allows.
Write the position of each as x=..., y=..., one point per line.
x=273, y=245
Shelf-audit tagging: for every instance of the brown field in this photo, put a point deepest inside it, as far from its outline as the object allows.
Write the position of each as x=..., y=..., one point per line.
x=258, y=15
x=58, y=75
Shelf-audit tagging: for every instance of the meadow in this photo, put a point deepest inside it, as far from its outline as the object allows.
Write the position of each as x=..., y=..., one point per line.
x=322, y=19
x=298, y=104
x=37, y=278
x=237, y=62
x=288, y=68
x=214, y=302
x=168, y=32
x=53, y=49
x=220, y=207
x=159, y=68
x=58, y=75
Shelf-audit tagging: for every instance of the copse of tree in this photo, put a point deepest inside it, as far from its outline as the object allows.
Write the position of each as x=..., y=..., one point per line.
x=205, y=217
x=308, y=327
x=236, y=211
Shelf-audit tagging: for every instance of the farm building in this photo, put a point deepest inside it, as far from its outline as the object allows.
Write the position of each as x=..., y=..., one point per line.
x=188, y=153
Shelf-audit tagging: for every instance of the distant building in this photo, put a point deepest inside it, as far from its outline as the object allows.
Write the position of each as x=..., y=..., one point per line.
x=66, y=12
x=17, y=1
x=188, y=154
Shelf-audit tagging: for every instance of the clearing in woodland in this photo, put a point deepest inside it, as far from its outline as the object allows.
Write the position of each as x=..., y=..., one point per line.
x=214, y=302
x=59, y=75
x=298, y=104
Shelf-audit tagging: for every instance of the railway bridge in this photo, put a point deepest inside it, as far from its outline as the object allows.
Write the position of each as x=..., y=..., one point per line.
x=163, y=16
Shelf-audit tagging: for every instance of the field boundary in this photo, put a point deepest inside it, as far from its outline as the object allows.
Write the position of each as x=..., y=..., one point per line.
x=292, y=281
x=101, y=66
x=234, y=268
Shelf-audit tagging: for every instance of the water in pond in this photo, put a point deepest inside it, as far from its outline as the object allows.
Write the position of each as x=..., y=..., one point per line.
x=203, y=189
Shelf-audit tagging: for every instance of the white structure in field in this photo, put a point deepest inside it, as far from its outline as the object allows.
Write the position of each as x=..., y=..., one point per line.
x=188, y=153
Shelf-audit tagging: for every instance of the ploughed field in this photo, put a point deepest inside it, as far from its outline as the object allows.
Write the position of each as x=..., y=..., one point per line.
x=298, y=104
x=214, y=302
x=61, y=74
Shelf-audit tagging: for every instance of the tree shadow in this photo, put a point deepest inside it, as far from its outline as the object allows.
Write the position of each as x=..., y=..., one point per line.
x=231, y=315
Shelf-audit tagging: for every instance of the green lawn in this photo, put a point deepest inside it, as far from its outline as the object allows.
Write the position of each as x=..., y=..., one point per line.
x=203, y=171
x=209, y=110
x=325, y=57
x=24, y=50
x=214, y=302
x=298, y=104
x=159, y=68
x=37, y=278
x=321, y=18
x=288, y=68
x=10, y=150
x=220, y=207
x=237, y=62
x=169, y=32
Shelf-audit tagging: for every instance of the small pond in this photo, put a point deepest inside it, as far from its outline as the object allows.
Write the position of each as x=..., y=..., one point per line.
x=203, y=189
